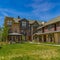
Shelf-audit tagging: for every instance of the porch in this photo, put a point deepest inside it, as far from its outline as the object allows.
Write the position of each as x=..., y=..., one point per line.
x=14, y=37
x=53, y=37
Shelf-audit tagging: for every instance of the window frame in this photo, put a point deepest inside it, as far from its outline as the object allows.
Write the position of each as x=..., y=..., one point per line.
x=9, y=22
x=24, y=24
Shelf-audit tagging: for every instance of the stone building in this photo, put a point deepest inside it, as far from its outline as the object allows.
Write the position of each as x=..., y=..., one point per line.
x=21, y=29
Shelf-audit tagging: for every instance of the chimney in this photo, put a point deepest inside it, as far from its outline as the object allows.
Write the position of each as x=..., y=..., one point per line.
x=43, y=23
x=18, y=17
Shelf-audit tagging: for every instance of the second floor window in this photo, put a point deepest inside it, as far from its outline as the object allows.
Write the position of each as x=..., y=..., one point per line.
x=9, y=22
x=50, y=26
x=23, y=24
x=58, y=24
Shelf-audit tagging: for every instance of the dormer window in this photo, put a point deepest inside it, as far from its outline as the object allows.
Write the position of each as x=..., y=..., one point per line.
x=9, y=22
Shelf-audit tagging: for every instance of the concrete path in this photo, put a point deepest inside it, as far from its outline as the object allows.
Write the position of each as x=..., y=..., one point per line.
x=51, y=44
x=45, y=44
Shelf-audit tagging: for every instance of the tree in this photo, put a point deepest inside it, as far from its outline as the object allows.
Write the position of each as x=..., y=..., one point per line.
x=5, y=33
x=0, y=33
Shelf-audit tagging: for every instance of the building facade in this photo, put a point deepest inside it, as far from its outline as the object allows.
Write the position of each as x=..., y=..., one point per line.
x=21, y=29
x=49, y=32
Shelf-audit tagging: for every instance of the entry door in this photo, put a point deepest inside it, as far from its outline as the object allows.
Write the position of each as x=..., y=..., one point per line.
x=29, y=37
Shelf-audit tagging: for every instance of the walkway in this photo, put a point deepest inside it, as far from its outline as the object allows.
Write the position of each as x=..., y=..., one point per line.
x=45, y=44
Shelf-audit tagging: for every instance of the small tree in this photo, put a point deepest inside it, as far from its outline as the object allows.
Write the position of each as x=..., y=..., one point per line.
x=0, y=34
x=5, y=33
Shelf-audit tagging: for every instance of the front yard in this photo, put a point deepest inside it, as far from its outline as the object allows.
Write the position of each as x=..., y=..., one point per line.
x=28, y=51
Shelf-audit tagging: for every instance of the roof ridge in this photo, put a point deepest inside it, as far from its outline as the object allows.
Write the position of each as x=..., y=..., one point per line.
x=53, y=18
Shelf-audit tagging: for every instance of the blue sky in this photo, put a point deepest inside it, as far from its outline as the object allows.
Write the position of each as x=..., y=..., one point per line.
x=43, y=10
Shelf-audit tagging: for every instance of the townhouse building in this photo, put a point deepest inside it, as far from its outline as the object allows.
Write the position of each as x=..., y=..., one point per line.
x=49, y=32
x=21, y=29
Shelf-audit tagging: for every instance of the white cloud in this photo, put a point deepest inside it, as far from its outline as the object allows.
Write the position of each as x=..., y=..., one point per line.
x=41, y=8
x=14, y=13
x=3, y=12
x=42, y=5
x=7, y=12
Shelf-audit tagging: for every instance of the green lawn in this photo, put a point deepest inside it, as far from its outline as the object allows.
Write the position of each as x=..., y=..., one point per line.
x=29, y=51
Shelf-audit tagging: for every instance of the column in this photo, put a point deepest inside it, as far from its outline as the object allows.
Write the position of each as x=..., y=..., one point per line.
x=47, y=40
x=20, y=37
x=31, y=32
x=42, y=38
x=56, y=37
x=12, y=38
x=37, y=38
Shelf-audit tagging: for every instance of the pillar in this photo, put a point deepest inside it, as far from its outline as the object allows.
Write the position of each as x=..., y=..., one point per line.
x=47, y=38
x=37, y=38
x=20, y=37
x=56, y=37
x=42, y=38
x=53, y=38
x=31, y=33
x=12, y=38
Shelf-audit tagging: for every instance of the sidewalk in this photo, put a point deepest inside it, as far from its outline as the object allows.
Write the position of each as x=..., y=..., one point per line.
x=45, y=44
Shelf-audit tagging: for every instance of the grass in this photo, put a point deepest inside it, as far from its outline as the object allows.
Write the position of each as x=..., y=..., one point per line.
x=29, y=51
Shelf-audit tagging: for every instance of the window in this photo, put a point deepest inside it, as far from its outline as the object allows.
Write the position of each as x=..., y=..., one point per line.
x=58, y=24
x=23, y=24
x=40, y=31
x=50, y=26
x=9, y=22
x=10, y=31
x=35, y=25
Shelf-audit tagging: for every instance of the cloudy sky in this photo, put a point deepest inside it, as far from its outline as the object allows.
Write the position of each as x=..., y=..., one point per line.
x=43, y=10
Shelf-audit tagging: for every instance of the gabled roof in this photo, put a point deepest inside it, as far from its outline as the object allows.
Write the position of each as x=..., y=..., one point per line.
x=57, y=19
x=39, y=22
x=33, y=21
x=14, y=34
x=16, y=20
x=8, y=17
